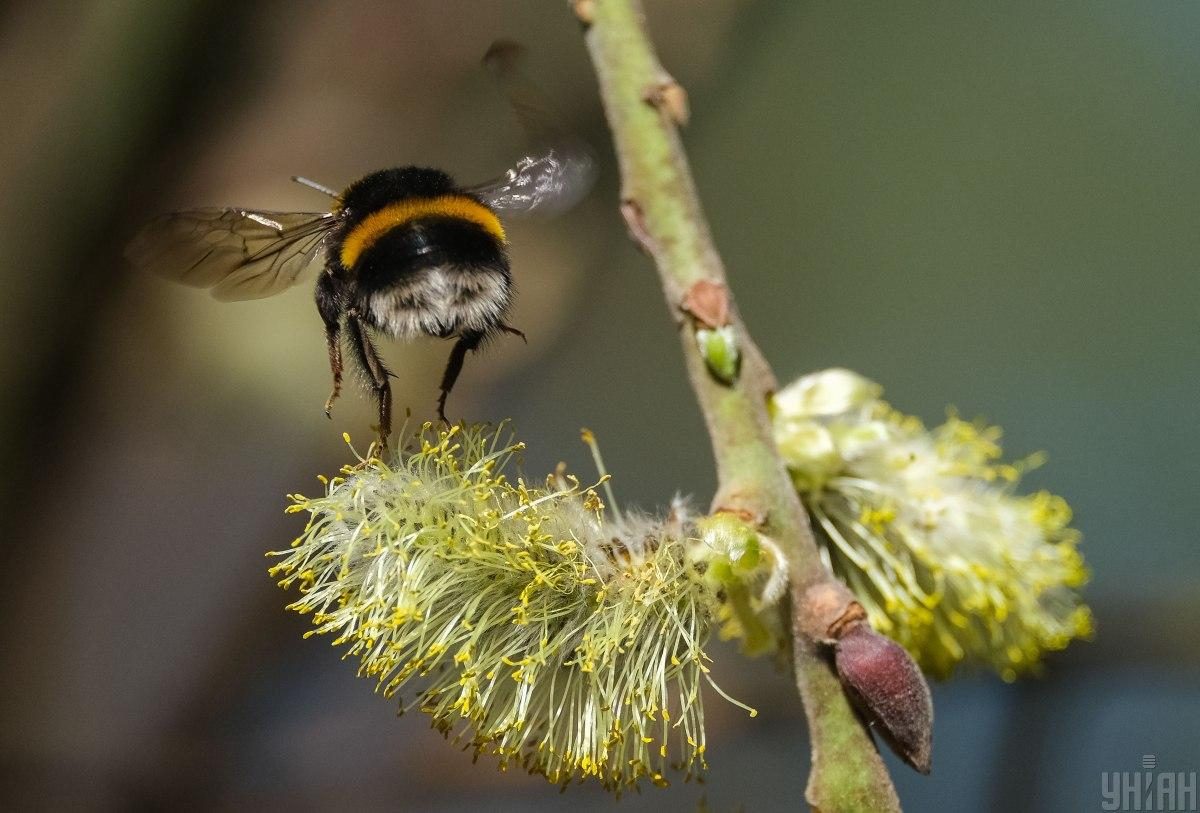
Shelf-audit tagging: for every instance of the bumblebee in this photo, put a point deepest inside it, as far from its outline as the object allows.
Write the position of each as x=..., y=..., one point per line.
x=402, y=253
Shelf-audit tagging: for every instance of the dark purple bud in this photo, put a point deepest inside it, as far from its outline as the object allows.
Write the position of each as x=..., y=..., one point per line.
x=889, y=690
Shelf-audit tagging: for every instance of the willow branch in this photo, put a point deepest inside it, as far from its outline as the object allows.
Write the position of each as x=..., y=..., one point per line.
x=645, y=106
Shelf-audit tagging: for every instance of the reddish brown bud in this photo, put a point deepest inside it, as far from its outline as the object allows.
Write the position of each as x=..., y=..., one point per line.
x=886, y=686
x=708, y=303
x=669, y=96
x=585, y=10
x=828, y=609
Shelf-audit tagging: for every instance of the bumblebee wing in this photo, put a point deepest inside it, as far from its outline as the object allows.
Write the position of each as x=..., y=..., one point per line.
x=559, y=169
x=547, y=183
x=238, y=253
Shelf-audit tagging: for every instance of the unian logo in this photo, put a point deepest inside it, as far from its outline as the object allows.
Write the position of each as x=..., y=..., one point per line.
x=1148, y=789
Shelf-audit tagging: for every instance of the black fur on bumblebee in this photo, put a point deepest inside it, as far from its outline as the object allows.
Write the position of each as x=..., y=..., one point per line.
x=406, y=252
x=413, y=255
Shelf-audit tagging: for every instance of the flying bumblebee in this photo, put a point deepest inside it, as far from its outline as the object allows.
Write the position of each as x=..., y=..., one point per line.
x=405, y=252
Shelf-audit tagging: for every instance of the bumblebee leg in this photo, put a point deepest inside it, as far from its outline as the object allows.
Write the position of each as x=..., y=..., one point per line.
x=514, y=332
x=329, y=305
x=333, y=336
x=467, y=341
x=376, y=372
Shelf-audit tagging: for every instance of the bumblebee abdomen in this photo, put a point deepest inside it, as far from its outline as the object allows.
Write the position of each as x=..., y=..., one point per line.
x=434, y=275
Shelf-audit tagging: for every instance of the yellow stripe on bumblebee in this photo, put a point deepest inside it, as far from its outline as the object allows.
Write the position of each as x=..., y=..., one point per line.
x=377, y=224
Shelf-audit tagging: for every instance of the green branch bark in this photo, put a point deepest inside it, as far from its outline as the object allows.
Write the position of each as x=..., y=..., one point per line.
x=644, y=107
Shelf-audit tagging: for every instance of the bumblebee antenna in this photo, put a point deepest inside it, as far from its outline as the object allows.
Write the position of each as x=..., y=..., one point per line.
x=311, y=184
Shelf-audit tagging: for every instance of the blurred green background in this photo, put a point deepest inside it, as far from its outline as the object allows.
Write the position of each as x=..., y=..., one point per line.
x=990, y=206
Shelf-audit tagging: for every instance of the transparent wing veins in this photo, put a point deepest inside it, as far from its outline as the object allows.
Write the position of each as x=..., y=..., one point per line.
x=548, y=183
x=559, y=169
x=238, y=253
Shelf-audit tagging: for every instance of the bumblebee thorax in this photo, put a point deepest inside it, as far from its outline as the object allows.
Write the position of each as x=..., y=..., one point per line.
x=372, y=192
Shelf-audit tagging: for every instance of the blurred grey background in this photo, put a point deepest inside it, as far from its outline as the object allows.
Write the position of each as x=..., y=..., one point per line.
x=991, y=206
